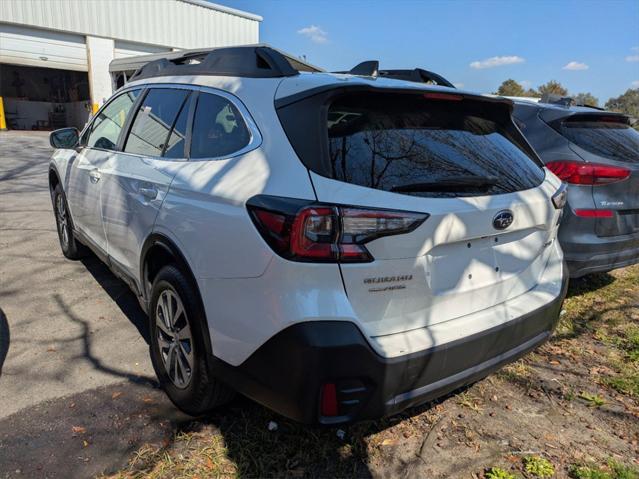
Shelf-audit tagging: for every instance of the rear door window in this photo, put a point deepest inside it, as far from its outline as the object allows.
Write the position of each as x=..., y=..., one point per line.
x=154, y=120
x=218, y=128
x=610, y=137
x=408, y=144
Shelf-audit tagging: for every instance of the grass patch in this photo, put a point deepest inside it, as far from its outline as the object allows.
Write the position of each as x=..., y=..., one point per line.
x=598, y=297
x=605, y=308
x=517, y=372
x=625, y=383
x=593, y=400
x=612, y=470
x=498, y=473
x=538, y=467
x=466, y=400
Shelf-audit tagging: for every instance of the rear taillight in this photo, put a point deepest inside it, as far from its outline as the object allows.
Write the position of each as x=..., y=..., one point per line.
x=580, y=173
x=313, y=232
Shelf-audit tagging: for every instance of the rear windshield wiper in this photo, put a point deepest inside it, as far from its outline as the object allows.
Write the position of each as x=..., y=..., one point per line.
x=447, y=184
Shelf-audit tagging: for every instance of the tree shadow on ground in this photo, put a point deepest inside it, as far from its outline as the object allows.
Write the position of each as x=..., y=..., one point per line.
x=87, y=433
x=87, y=347
x=589, y=283
x=119, y=292
x=5, y=339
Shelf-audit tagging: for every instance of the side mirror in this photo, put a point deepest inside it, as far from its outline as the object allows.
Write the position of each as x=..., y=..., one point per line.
x=65, y=138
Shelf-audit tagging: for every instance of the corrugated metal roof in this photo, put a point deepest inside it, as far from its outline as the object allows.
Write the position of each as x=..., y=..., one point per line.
x=222, y=8
x=135, y=62
x=170, y=23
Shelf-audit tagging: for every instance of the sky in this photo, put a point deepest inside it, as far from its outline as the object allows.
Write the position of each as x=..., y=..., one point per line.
x=588, y=46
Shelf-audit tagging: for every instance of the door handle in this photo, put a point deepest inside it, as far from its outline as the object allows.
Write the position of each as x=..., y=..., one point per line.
x=94, y=175
x=150, y=192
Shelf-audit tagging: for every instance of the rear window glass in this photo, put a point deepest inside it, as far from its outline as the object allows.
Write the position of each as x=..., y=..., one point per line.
x=409, y=144
x=612, y=139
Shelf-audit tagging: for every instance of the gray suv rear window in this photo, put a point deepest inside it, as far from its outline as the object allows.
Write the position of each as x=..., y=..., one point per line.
x=426, y=147
x=612, y=138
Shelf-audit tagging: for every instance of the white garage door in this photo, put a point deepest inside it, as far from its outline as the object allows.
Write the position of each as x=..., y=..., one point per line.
x=129, y=49
x=42, y=48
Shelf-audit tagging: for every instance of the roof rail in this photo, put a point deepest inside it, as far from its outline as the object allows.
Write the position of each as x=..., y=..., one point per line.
x=255, y=61
x=418, y=75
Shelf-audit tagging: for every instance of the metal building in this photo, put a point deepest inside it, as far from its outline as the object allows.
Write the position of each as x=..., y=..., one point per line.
x=55, y=54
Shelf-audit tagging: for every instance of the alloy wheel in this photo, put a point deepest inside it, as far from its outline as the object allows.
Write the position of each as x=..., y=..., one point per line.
x=63, y=221
x=174, y=338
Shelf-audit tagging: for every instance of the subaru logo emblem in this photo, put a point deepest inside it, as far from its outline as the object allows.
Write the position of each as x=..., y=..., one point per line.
x=503, y=220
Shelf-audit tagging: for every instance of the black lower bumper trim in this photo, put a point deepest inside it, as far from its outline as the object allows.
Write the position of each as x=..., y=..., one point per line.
x=287, y=372
x=462, y=376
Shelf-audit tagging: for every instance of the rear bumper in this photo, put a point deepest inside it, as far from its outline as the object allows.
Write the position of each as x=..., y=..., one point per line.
x=586, y=252
x=603, y=255
x=287, y=372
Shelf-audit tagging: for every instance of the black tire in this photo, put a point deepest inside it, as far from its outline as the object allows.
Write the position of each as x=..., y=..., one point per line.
x=202, y=391
x=71, y=247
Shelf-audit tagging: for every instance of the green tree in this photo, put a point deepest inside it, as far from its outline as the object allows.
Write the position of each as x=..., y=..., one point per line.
x=553, y=87
x=586, y=98
x=510, y=88
x=532, y=92
x=627, y=103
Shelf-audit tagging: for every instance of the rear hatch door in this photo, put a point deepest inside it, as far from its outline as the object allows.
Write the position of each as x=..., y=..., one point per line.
x=458, y=159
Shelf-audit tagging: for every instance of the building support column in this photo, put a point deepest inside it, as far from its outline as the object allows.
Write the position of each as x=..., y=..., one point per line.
x=100, y=52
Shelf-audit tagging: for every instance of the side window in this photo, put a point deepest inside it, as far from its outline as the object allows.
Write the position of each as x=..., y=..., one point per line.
x=218, y=128
x=177, y=139
x=106, y=127
x=153, y=121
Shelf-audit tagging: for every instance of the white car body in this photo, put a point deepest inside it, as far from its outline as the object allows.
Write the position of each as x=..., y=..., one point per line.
x=452, y=277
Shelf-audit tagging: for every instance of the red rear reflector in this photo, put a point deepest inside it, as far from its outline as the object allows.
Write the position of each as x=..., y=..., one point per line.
x=594, y=213
x=443, y=96
x=329, y=400
x=580, y=173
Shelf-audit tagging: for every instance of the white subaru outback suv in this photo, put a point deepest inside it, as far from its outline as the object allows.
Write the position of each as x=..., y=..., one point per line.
x=334, y=246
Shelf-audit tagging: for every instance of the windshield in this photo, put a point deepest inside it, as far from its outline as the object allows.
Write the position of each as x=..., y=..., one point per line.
x=409, y=144
x=612, y=138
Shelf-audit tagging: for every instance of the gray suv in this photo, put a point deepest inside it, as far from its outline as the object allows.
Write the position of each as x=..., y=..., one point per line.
x=596, y=153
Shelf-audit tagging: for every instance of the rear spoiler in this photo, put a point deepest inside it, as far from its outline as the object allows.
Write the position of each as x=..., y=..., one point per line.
x=552, y=115
x=433, y=91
